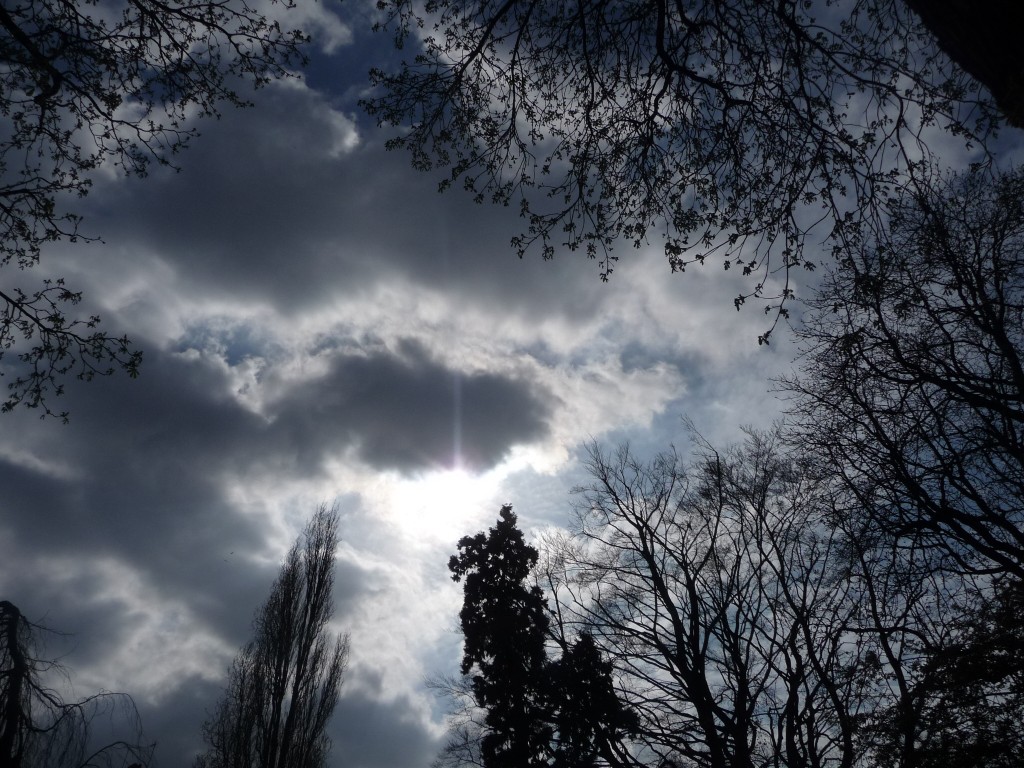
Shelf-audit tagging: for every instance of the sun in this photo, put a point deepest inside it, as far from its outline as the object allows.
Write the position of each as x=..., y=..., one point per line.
x=443, y=504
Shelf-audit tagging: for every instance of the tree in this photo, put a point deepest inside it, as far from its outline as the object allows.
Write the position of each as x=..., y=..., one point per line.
x=590, y=721
x=716, y=592
x=912, y=387
x=751, y=620
x=735, y=127
x=982, y=40
x=911, y=399
x=38, y=729
x=536, y=712
x=283, y=686
x=732, y=611
x=504, y=626
x=977, y=687
x=116, y=85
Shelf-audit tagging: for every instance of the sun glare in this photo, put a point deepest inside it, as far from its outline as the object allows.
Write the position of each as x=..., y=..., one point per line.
x=440, y=505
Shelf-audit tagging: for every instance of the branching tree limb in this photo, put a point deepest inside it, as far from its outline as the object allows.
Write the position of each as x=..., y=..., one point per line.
x=83, y=86
x=912, y=387
x=38, y=728
x=741, y=128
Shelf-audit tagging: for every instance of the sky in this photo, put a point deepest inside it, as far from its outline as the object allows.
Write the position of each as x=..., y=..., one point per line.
x=319, y=325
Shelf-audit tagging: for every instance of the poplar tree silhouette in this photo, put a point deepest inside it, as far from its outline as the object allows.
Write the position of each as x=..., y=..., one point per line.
x=283, y=686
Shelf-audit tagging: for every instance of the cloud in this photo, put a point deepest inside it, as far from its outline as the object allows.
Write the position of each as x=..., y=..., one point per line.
x=369, y=733
x=135, y=527
x=289, y=205
x=155, y=460
x=408, y=412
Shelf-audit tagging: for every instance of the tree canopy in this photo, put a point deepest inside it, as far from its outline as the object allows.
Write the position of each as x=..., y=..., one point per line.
x=114, y=85
x=740, y=128
x=283, y=686
x=504, y=623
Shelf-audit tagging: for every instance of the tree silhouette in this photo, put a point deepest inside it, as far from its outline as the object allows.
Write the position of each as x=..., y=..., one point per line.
x=536, y=711
x=283, y=686
x=590, y=721
x=718, y=595
x=912, y=388
x=118, y=87
x=983, y=40
x=736, y=127
x=976, y=687
x=38, y=729
x=504, y=626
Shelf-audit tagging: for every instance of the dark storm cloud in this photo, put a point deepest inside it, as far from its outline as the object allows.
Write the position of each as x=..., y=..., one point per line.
x=140, y=478
x=270, y=206
x=369, y=733
x=175, y=721
x=409, y=412
x=77, y=616
x=146, y=459
x=145, y=485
